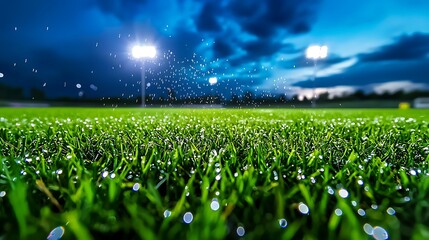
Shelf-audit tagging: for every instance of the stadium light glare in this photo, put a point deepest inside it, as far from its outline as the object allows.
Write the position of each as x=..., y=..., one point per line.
x=143, y=52
x=316, y=52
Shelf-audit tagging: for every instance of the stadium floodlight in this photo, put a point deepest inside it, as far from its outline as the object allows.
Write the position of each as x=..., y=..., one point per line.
x=213, y=80
x=316, y=52
x=143, y=52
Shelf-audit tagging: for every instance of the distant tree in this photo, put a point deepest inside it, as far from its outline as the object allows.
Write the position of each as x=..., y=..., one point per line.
x=248, y=98
x=324, y=96
x=359, y=94
x=235, y=100
x=7, y=92
x=37, y=94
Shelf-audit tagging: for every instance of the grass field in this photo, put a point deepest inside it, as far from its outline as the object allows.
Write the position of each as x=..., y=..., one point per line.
x=214, y=174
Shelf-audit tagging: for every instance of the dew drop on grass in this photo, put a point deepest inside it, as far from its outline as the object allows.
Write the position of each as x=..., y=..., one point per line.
x=360, y=182
x=188, y=217
x=368, y=229
x=413, y=172
x=282, y=223
x=104, y=174
x=2, y=193
x=343, y=193
x=303, y=208
x=374, y=206
x=112, y=176
x=354, y=203
x=330, y=190
x=167, y=213
x=379, y=233
x=361, y=212
x=136, y=187
x=214, y=205
x=59, y=172
x=218, y=177
x=241, y=231
x=391, y=211
x=338, y=212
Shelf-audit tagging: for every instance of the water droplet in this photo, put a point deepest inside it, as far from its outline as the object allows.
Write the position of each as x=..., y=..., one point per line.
x=379, y=233
x=188, y=217
x=136, y=187
x=391, y=211
x=361, y=212
x=374, y=206
x=113, y=175
x=303, y=208
x=368, y=229
x=56, y=233
x=218, y=177
x=214, y=205
x=413, y=172
x=338, y=212
x=360, y=182
x=343, y=193
x=59, y=171
x=354, y=203
x=104, y=174
x=241, y=231
x=330, y=190
x=282, y=223
x=2, y=193
x=167, y=213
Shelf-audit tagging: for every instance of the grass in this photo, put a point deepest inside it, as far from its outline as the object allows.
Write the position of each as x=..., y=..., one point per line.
x=263, y=173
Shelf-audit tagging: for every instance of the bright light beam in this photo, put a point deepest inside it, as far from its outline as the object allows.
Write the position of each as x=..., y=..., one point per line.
x=142, y=52
x=213, y=80
x=316, y=52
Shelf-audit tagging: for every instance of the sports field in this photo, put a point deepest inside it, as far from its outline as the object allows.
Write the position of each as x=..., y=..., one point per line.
x=214, y=173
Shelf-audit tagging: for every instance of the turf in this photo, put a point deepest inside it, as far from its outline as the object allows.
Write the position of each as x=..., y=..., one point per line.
x=214, y=173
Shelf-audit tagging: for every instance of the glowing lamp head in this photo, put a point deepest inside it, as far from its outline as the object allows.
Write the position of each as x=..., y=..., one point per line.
x=316, y=52
x=143, y=52
x=213, y=80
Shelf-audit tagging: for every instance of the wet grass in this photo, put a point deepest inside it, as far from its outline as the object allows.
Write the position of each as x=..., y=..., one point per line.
x=214, y=174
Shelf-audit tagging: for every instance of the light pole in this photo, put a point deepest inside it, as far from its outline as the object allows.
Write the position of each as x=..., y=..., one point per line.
x=143, y=52
x=212, y=81
x=316, y=52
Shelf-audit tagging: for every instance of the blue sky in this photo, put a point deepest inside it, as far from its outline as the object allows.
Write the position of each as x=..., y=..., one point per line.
x=83, y=47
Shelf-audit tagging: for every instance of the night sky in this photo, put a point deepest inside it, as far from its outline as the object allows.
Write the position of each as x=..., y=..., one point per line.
x=83, y=47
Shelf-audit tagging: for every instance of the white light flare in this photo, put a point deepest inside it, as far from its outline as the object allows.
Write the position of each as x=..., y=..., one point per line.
x=213, y=80
x=1, y=75
x=316, y=52
x=143, y=52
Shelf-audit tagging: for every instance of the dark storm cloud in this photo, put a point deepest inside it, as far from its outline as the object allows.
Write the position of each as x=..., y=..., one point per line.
x=207, y=18
x=261, y=48
x=265, y=18
x=405, y=47
x=222, y=48
x=123, y=10
x=268, y=22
